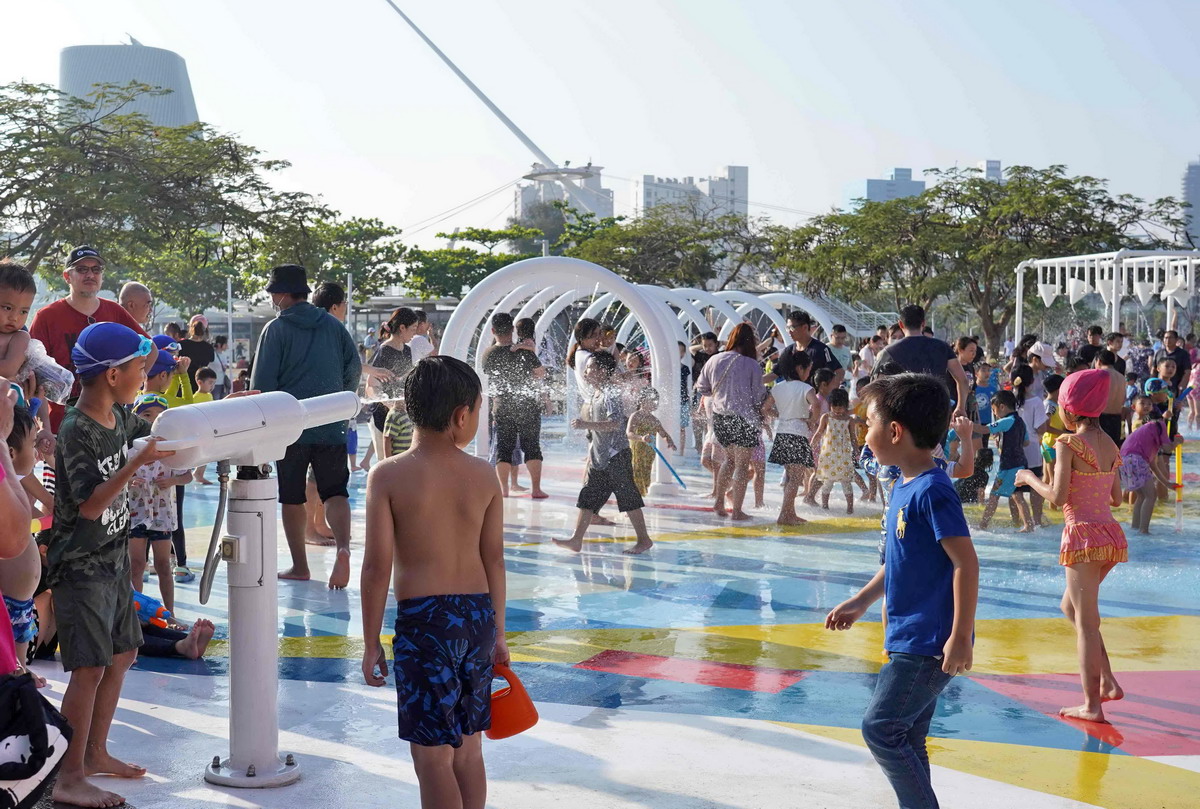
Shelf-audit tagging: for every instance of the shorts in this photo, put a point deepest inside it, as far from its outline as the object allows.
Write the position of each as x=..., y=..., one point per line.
x=20, y=615
x=328, y=463
x=1006, y=482
x=732, y=430
x=1037, y=470
x=1111, y=424
x=142, y=532
x=96, y=620
x=443, y=665
x=790, y=449
x=519, y=423
x=614, y=479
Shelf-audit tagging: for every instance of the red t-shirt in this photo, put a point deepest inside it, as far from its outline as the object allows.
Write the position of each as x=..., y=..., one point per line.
x=58, y=326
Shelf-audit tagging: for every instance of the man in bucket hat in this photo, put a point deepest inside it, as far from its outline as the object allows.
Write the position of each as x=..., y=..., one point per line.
x=307, y=352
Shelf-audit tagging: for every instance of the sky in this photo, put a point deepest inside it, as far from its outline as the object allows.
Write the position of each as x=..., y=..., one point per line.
x=810, y=95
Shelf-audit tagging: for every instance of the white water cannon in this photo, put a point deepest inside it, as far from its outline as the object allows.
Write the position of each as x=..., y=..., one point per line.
x=248, y=432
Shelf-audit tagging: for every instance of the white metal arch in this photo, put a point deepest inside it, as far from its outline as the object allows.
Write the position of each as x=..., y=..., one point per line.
x=687, y=309
x=750, y=302
x=707, y=299
x=545, y=271
x=802, y=302
x=539, y=300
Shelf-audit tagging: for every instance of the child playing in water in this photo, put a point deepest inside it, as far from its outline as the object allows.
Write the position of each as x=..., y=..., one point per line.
x=833, y=435
x=19, y=575
x=1011, y=429
x=610, y=462
x=444, y=548
x=641, y=431
x=1140, y=469
x=152, y=515
x=794, y=402
x=1193, y=397
x=822, y=382
x=930, y=577
x=712, y=454
x=1085, y=486
x=1143, y=411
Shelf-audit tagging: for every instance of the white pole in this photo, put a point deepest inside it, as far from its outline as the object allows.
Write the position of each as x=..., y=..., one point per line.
x=229, y=313
x=350, y=303
x=1019, y=321
x=1116, y=292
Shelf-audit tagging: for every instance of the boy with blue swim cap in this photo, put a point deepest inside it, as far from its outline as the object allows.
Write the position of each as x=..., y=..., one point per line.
x=88, y=552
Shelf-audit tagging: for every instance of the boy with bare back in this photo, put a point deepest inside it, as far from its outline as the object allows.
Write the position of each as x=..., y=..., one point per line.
x=435, y=522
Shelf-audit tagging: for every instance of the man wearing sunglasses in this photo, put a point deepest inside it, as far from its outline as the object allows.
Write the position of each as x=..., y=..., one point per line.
x=59, y=325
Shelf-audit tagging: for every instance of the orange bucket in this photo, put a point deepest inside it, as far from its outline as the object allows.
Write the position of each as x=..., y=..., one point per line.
x=512, y=709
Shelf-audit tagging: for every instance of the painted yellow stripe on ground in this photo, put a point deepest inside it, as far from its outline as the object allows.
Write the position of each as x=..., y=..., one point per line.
x=835, y=525
x=1111, y=781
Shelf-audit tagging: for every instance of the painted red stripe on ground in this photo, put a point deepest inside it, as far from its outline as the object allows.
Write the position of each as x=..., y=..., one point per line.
x=1158, y=716
x=698, y=672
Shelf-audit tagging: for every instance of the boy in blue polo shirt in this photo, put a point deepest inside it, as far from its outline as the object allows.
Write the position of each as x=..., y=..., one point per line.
x=930, y=578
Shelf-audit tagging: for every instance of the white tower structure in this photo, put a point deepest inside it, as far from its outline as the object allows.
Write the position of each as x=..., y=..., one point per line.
x=81, y=67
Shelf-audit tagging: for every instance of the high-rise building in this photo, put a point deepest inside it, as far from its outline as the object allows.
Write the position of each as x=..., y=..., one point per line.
x=1191, y=195
x=81, y=67
x=991, y=170
x=723, y=194
x=899, y=184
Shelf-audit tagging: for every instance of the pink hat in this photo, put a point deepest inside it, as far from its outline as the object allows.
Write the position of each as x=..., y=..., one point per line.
x=199, y=319
x=1085, y=393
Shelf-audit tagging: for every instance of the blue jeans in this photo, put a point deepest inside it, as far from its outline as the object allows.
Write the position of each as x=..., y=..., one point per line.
x=897, y=722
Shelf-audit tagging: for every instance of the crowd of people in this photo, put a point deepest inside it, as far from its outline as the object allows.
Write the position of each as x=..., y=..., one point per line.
x=920, y=424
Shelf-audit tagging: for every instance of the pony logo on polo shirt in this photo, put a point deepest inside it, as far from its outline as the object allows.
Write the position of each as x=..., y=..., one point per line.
x=900, y=525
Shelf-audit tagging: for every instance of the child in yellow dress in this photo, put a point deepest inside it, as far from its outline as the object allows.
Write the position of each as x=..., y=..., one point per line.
x=642, y=429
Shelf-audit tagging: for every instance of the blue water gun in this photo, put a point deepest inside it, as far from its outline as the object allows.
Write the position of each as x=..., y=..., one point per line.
x=150, y=611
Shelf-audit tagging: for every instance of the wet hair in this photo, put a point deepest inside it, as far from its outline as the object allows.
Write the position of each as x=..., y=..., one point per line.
x=821, y=377
x=206, y=373
x=437, y=387
x=1022, y=380
x=604, y=361
x=14, y=276
x=400, y=317
x=1052, y=383
x=920, y=403
x=525, y=328
x=583, y=330
x=641, y=361
x=742, y=340
x=839, y=397
x=912, y=316
x=1095, y=331
x=21, y=427
x=710, y=335
x=647, y=394
x=791, y=363
x=1161, y=360
x=502, y=323
x=1005, y=398
x=328, y=295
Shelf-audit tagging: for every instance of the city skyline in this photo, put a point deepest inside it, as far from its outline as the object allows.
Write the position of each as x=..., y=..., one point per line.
x=374, y=123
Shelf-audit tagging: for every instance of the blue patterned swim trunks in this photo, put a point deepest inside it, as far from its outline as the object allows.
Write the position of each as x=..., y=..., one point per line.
x=443, y=666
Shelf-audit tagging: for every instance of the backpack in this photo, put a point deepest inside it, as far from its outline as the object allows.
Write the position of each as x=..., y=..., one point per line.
x=33, y=741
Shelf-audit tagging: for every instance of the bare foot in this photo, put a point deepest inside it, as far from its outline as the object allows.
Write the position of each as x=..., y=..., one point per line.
x=575, y=545
x=825, y=505
x=759, y=504
x=812, y=503
x=340, y=576
x=101, y=763
x=1108, y=693
x=598, y=520
x=516, y=487
x=639, y=548
x=204, y=481
x=291, y=574
x=538, y=494
x=82, y=793
x=364, y=467
x=792, y=520
x=740, y=515
x=1026, y=529
x=849, y=509
x=1082, y=712
x=319, y=541
x=193, y=646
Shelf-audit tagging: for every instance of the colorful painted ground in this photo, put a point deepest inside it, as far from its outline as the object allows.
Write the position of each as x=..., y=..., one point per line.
x=700, y=674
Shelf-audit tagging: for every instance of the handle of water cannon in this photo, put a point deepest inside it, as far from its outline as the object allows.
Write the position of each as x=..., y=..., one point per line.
x=212, y=558
x=172, y=445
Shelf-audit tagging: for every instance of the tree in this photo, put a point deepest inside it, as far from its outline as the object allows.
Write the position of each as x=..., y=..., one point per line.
x=546, y=218
x=448, y=272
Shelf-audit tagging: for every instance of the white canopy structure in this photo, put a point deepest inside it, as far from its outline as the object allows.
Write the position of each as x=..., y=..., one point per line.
x=1144, y=274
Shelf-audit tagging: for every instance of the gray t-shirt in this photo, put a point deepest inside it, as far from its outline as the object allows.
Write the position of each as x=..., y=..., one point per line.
x=605, y=405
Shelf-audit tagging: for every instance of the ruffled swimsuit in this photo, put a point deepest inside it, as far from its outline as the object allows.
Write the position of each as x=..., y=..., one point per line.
x=1090, y=533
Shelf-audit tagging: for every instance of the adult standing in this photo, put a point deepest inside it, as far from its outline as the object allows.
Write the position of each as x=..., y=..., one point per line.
x=306, y=352
x=920, y=354
x=701, y=354
x=734, y=380
x=196, y=347
x=59, y=324
x=1173, y=350
x=839, y=346
x=1113, y=417
x=800, y=328
x=513, y=373
x=138, y=301
x=392, y=355
x=220, y=366
x=966, y=350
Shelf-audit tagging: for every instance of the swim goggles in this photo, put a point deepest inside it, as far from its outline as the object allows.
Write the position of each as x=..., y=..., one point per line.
x=145, y=346
x=147, y=400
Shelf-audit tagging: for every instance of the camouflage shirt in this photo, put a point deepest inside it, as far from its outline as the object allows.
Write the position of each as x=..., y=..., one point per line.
x=87, y=455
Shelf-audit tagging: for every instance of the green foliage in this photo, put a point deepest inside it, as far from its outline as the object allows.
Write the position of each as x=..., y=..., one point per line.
x=449, y=272
x=546, y=218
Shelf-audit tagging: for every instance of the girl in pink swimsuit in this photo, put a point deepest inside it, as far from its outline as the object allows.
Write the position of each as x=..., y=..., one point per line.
x=1086, y=487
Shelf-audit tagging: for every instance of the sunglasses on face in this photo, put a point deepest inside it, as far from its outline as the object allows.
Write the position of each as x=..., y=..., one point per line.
x=88, y=269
